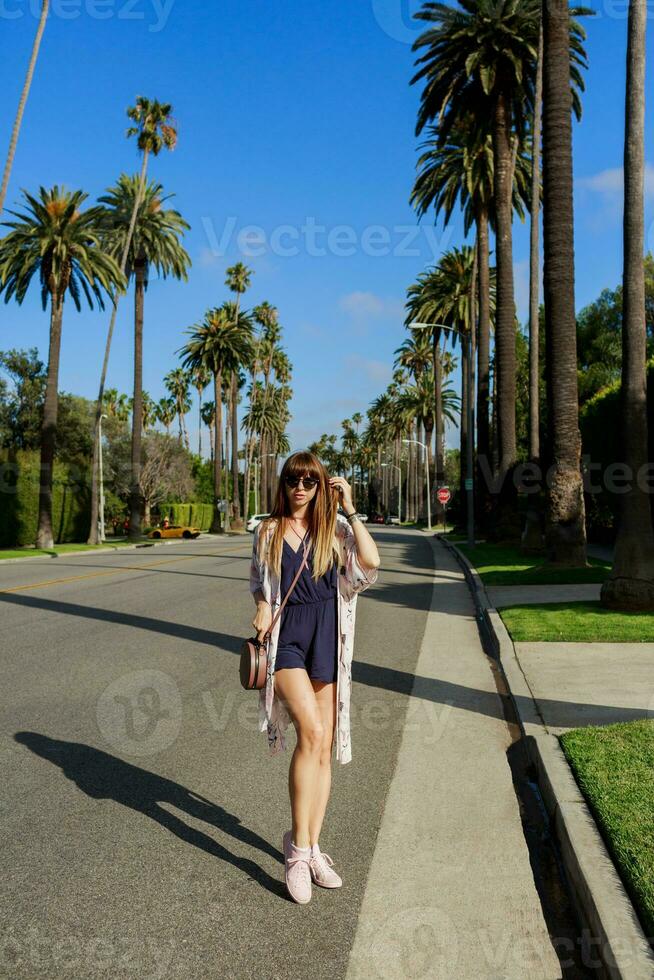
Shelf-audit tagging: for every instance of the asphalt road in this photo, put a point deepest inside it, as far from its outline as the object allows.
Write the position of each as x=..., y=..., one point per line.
x=141, y=814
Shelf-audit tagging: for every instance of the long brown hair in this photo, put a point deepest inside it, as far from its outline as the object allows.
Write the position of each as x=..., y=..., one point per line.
x=321, y=515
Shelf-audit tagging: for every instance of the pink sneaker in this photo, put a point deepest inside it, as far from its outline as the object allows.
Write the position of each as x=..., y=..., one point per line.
x=321, y=866
x=296, y=872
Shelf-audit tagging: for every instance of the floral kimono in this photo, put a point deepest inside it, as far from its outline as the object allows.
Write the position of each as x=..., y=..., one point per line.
x=352, y=579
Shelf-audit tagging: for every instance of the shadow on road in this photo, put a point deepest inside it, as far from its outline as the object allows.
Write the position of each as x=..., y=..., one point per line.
x=106, y=777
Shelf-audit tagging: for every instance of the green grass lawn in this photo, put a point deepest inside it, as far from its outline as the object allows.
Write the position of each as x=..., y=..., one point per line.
x=572, y=622
x=505, y=565
x=59, y=549
x=614, y=766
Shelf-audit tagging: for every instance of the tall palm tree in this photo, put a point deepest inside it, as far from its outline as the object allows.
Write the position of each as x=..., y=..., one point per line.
x=630, y=584
x=238, y=281
x=154, y=243
x=154, y=130
x=208, y=413
x=266, y=316
x=458, y=166
x=200, y=378
x=565, y=529
x=218, y=345
x=486, y=50
x=54, y=239
x=177, y=383
x=27, y=84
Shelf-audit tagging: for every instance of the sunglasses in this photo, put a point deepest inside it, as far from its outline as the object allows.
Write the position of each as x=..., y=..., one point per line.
x=308, y=482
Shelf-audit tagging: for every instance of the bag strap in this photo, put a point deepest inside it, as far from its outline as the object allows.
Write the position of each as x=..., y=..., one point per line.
x=292, y=586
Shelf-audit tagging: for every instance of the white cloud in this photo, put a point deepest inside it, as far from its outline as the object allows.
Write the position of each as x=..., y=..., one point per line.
x=610, y=182
x=365, y=305
x=377, y=371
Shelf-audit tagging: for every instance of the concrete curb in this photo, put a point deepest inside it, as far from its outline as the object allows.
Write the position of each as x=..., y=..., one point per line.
x=605, y=909
x=123, y=547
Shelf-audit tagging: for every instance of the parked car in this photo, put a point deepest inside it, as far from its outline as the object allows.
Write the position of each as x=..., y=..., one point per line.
x=376, y=518
x=175, y=531
x=255, y=520
x=391, y=519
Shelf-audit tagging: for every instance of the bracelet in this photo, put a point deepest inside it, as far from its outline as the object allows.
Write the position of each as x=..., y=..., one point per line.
x=353, y=517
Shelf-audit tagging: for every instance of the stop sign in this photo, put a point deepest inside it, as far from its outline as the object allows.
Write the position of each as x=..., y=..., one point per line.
x=443, y=495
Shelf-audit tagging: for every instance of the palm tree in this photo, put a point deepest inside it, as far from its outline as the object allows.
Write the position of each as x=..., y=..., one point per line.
x=238, y=281
x=177, y=382
x=267, y=317
x=630, y=584
x=166, y=412
x=565, y=530
x=115, y=405
x=208, y=414
x=27, y=84
x=218, y=345
x=154, y=242
x=154, y=131
x=200, y=378
x=61, y=243
x=486, y=50
x=459, y=167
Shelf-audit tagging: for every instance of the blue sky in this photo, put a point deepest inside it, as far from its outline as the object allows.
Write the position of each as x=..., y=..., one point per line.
x=297, y=119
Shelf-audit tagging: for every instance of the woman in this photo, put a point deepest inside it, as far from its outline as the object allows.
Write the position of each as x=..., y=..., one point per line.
x=310, y=647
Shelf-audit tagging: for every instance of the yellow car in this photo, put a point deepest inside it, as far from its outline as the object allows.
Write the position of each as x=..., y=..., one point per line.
x=175, y=531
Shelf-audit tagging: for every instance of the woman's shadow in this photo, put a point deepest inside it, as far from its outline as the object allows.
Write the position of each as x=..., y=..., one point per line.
x=103, y=776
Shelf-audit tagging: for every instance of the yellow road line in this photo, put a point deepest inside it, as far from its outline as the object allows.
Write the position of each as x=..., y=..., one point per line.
x=111, y=571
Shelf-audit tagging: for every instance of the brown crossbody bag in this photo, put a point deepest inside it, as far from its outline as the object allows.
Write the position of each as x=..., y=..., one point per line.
x=254, y=652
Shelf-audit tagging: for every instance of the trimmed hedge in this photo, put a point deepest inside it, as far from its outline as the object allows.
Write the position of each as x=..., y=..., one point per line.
x=194, y=514
x=19, y=499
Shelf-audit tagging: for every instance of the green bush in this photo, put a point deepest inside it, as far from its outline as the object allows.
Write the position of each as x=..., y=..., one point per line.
x=195, y=514
x=19, y=499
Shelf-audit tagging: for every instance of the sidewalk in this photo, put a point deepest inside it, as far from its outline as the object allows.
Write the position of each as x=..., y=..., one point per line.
x=577, y=684
x=450, y=892
x=557, y=686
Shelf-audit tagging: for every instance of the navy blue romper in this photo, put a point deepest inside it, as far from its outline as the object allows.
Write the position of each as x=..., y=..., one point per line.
x=309, y=621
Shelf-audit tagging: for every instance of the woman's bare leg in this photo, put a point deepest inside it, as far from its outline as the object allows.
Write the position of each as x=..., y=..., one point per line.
x=326, y=699
x=294, y=687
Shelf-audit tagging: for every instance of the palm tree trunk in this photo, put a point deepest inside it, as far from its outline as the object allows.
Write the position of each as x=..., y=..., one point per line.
x=630, y=585
x=226, y=496
x=93, y=532
x=463, y=436
x=484, y=463
x=534, y=272
x=565, y=526
x=44, y=537
x=505, y=330
x=237, y=522
x=137, y=407
x=27, y=84
x=438, y=406
x=216, y=523
x=200, y=424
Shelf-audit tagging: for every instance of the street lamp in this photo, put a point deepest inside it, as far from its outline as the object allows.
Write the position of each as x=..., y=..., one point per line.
x=418, y=443
x=399, y=499
x=467, y=354
x=102, y=537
